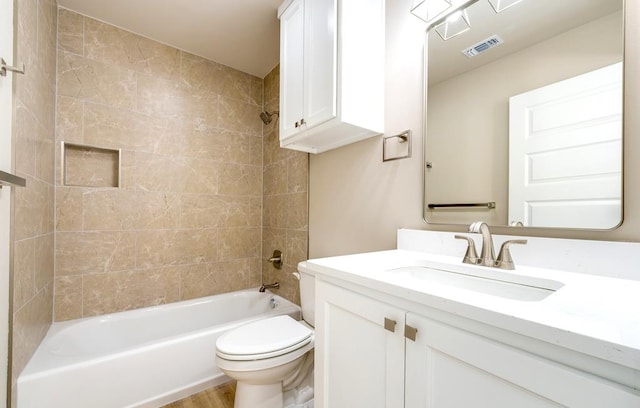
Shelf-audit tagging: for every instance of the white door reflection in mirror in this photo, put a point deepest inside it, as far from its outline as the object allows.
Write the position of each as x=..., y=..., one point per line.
x=565, y=152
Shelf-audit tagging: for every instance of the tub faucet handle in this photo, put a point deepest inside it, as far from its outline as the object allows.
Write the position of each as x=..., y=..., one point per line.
x=276, y=259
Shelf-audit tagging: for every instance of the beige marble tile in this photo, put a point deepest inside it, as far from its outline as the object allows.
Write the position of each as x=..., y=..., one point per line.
x=237, y=85
x=241, y=211
x=158, y=248
x=109, y=209
x=171, y=173
x=24, y=265
x=158, y=210
x=128, y=170
x=26, y=35
x=272, y=153
x=30, y=325
x=200, y=74
x=69, y=120
x=239, y=116
x=220, y=277
x=223, y=146
x=26, y=135
x=272, y=87
x=202, y=211
x=45, y=159
x=168, y=98
x=38, y=96
x=119, y=291
x=109, y=44
x=70, y=31
x=297, y=214
x=44, y=260
x=94, y=252
x=95, y=81
x=68, y=298
x=275, y=179
x=237, y=179
x=297, y=173
x=117, y=128
x=33, y=209
x=69, y=208
x=256, y=94
x=273, y=212
x=47, y=37
x=239, y=243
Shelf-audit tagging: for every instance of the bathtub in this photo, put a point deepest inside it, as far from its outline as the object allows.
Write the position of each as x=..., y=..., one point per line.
x=140, y=358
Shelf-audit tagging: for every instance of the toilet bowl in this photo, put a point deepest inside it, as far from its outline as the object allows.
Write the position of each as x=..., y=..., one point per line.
x=272, y=359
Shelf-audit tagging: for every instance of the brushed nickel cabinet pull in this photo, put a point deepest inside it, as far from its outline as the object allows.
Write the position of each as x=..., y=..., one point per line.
x=410, y=332
x=390, y=325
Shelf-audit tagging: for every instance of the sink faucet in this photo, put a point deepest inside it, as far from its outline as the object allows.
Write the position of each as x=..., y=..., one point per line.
x=487, y=254
x=264, y=287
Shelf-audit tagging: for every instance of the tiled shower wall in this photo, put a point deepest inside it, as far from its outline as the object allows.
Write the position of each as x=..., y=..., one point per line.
x=33, y=226
x=186, y=219
x=285, y=200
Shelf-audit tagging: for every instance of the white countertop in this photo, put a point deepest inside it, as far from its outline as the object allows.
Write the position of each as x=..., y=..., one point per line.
x=595, y=315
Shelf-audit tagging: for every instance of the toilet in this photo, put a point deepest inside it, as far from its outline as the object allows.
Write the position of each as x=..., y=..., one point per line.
x=272, y=359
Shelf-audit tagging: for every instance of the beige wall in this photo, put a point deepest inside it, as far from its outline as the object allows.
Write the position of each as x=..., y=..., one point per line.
x=34, y=113
x=186, y=221
x=285, y=216
x=357, y=202
x=476, y=148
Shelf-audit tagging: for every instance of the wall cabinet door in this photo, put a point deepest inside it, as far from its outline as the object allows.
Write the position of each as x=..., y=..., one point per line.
x=450, y=368
x=308, y=71
x=331, y=72
x=359, y=362
x=291, y=68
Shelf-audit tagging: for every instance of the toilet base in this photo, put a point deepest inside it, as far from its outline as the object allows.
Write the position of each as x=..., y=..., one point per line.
x=258, y=395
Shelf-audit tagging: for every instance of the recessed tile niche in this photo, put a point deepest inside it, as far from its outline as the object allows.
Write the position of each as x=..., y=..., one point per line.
x=90, y=166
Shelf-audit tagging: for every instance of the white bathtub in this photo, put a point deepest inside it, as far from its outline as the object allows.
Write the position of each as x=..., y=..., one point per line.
x=140, y=358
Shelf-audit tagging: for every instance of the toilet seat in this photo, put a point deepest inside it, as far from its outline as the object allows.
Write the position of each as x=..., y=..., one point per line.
x=264, y=339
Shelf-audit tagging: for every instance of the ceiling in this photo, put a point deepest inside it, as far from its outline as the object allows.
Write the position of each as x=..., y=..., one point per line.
x=242, y=34
x=521, y=26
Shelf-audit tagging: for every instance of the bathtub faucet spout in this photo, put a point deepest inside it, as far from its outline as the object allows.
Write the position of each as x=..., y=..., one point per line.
x=274, y=285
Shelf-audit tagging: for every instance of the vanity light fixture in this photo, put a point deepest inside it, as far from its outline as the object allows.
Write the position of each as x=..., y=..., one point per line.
x=455, y=24
x=501, y=5
x=429, y=10
x=449, y=17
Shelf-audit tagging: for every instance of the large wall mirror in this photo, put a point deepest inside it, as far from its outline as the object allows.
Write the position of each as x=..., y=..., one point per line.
x=524, y=116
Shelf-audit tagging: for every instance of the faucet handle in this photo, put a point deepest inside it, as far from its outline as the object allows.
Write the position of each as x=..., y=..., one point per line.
x=505, y=261
x=471, y=256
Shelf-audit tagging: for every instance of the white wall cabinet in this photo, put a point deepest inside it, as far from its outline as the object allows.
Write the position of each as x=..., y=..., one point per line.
x=331, y=72
x=359, y=363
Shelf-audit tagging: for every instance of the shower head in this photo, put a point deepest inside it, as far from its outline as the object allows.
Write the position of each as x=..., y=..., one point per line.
x=268, y=117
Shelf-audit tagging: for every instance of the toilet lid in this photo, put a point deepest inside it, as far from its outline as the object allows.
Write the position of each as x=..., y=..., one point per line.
x=264, y=337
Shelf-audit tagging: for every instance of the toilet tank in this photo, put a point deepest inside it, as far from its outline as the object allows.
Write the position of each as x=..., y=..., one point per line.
x=307, y=294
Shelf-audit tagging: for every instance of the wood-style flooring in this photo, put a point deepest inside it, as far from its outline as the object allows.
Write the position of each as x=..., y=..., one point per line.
x=221, y=396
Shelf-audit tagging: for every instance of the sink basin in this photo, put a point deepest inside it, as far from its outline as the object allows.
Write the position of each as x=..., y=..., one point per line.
x=483, y=280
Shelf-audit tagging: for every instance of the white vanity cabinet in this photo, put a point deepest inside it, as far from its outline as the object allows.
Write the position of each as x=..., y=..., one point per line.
x=362, y=363
x=331, y=72
x=359, y=362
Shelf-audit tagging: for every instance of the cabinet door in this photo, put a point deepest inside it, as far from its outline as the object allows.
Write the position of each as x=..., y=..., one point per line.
x=452, y=368
x=320, y=70
x=291, y=68
x=359, y=363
